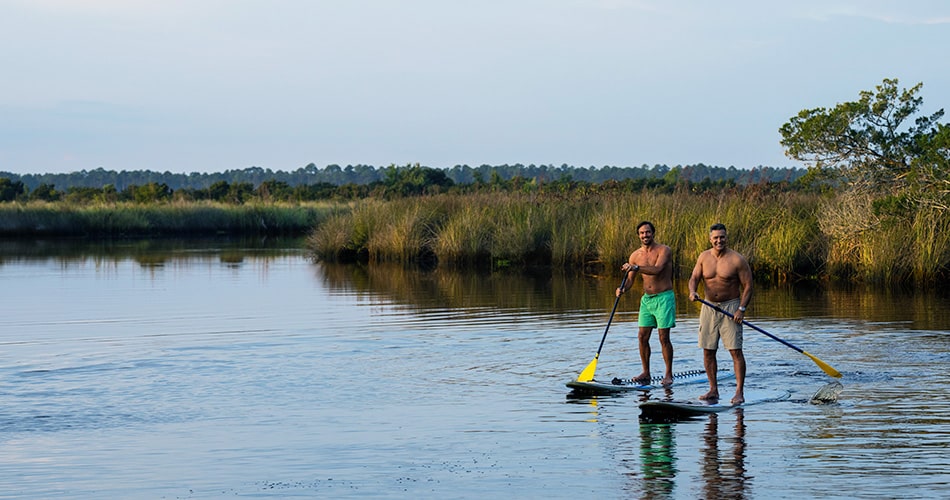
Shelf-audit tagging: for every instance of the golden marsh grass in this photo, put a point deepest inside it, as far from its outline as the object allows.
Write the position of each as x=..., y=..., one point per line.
x=37, y=218
x=786, y=236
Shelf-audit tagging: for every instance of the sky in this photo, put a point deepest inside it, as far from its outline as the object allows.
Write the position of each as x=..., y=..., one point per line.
x=214, y=85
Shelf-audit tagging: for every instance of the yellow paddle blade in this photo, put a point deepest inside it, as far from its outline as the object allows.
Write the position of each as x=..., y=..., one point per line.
x=824, y=366
x=588, y=374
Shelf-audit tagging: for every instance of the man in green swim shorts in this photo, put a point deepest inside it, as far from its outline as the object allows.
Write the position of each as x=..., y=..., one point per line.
x=654, y=262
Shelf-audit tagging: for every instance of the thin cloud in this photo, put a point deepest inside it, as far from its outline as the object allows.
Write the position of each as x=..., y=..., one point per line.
x=91, y=5
x=901, y=20
x=884, y=13
x=112, y=9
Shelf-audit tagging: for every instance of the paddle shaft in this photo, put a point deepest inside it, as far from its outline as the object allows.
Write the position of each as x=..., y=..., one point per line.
x=821, y=364
x=609, y=320
x=744, y=322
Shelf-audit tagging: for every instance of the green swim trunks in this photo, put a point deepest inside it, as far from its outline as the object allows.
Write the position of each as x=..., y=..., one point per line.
x=658, y=310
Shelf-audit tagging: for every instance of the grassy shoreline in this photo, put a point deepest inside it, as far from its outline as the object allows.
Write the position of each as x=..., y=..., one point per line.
x=787, y=236
x=104, y=220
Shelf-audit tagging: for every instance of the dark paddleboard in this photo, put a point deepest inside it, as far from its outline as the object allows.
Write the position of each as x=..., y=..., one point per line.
x=687, y=408
x=600, y=387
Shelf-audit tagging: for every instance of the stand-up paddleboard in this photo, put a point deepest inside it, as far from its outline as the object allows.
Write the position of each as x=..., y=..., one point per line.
x=597, y=387
x=685, y=408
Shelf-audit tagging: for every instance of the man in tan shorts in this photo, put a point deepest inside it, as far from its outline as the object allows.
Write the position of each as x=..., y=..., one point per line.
x=727, y=280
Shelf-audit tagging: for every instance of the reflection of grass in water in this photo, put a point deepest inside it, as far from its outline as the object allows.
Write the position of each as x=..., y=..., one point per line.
x=147, y=251
x=151, y=260
x=232, y=257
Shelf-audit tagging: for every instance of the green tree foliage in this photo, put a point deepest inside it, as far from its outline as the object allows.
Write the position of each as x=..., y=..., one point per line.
x=362, y=181
x=931, y=169
x=108, y=194
x=11, y=190
x=219, y=191
x=875, y=145
x=887, y=167
x=414, y=180
x=239, y=192
x=147, y=193
x=45, y=192
x=274, y=190
x=195, y=184
x=77, y=194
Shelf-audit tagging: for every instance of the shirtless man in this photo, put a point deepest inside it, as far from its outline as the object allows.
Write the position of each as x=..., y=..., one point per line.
x=654, y=261
x=727, y=280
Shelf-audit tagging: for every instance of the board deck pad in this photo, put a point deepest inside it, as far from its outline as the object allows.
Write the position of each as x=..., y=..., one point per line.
x=653, y=409
x=617, y=385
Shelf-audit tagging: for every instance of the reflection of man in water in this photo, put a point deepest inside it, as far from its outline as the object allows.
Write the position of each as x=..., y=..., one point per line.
x=658, y=460
x=725, y=475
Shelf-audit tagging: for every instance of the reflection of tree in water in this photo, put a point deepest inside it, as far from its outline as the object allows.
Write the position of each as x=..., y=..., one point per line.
x=724, y=473
x=572, y=294
x=657, y=458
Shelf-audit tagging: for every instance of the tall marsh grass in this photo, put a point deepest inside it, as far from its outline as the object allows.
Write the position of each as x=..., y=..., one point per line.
x=931, y=256
x=133, y=219
x=785, y=236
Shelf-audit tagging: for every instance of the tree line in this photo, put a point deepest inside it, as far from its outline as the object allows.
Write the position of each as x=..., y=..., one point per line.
x=882, y=160
x=362, y=181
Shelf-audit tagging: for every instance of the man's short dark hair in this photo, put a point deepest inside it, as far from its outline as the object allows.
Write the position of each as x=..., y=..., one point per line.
x=646, y=223
x=717, y=227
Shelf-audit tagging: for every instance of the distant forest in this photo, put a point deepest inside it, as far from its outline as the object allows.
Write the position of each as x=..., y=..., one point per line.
x=367, y=174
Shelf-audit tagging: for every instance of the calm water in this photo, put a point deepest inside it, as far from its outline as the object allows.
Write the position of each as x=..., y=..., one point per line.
x=186, y=370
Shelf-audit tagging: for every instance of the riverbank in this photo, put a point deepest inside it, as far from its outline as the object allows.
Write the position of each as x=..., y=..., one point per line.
x=788, y=236
x=111, y=220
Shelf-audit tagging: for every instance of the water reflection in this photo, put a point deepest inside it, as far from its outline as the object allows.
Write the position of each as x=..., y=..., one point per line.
x=557, y=290
x=147, y=252
x=181, y=367
x=545, y=290
x=658, y=459
x=724, y=471
x=650, y=457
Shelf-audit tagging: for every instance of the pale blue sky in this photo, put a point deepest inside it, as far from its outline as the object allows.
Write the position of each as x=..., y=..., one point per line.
x=211, y=85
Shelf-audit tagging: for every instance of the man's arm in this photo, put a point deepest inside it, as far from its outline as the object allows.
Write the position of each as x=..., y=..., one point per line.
x=745, y=281
x=631, y=270
x=695, y=277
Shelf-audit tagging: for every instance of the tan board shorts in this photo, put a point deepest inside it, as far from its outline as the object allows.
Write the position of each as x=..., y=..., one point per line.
x=714, y=325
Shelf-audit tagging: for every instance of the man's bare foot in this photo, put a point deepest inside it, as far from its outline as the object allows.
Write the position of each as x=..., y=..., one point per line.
x=738, y=399
x=643, y=378
x=667, y=381
x=710, y=396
